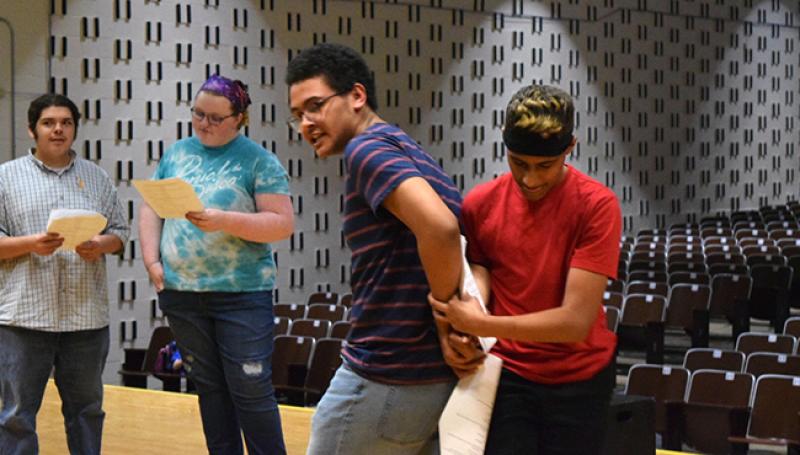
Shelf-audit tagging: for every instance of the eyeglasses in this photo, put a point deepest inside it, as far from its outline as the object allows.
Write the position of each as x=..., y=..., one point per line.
x=212, y=118
x=312, y=111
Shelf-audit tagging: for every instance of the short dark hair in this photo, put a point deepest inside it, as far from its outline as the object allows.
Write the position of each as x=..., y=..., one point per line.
x=49, y=100
x=339, y=65
x=539, y=121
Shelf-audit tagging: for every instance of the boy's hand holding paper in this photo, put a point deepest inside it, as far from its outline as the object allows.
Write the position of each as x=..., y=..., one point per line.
x=75, y=226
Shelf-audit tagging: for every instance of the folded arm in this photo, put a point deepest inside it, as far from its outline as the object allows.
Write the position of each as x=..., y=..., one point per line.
x=570, y=322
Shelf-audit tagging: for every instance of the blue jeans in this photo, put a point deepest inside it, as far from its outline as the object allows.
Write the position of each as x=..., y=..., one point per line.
x=226, y=342
x=550, y=419
x=27, y=357
x=359, y=416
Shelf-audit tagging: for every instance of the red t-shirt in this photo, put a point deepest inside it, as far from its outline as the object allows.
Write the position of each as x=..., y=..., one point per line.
x=529, y=248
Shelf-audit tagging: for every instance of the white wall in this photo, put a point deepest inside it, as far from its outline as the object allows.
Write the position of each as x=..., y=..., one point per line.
x=26, y=23
x=686, y=108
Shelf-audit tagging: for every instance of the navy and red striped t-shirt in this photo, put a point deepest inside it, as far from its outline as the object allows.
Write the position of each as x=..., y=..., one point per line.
x=393, y=337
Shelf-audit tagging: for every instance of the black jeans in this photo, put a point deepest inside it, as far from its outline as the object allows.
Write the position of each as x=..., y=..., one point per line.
x=542, y=419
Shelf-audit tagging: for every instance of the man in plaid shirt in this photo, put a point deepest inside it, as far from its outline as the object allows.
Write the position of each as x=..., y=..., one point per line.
x=53, y=302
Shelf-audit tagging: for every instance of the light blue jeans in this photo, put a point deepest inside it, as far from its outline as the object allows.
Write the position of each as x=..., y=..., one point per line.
x=359, y=416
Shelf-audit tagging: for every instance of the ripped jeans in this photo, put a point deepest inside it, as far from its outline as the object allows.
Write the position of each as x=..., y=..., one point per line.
x=226, y=342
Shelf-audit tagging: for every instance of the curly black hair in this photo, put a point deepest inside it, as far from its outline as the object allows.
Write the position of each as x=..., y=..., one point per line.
x=339, y=65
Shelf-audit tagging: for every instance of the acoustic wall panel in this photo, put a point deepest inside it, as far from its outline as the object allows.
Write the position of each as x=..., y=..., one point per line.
x=684, y=108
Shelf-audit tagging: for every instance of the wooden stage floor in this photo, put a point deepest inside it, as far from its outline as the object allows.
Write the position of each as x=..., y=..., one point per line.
x=153, y=422
x=156, y=422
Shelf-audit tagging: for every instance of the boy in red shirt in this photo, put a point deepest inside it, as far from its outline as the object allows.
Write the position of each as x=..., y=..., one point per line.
x=546, y=237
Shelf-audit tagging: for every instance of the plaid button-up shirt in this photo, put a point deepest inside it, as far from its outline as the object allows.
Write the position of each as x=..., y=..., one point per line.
x=61, y=292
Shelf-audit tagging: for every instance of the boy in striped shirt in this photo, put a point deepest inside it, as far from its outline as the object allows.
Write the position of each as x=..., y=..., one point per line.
x=401, y=225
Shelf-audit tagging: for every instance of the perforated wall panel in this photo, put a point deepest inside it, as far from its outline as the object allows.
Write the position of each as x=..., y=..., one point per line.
x=685, y=107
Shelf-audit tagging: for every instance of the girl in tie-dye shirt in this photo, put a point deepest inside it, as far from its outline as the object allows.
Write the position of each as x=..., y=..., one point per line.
x=214, y=270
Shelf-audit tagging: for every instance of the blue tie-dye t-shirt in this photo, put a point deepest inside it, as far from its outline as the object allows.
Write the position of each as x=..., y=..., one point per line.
x=227, y=178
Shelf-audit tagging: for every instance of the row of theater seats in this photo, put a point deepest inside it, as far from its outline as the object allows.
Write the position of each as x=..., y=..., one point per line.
x=307, y=344
x=302, y=366
x=313, y=328
x=721, y=400
x=326, y=311
x=717, y=411
x=732, y=268
x=332, y=298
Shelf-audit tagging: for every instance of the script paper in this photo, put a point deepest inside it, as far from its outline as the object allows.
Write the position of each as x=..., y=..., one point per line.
x=464, y=424
x=75, y=226
x=470, y=287
x=170, y=198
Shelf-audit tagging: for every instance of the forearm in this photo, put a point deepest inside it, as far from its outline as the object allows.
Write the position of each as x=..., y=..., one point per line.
x=149, y=234
x=556, y=325
x=440, y=253
x=261, y=227
x=13, y=247
x=108, y=243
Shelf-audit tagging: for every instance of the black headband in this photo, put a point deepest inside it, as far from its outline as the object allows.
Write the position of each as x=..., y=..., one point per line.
x=526, y=143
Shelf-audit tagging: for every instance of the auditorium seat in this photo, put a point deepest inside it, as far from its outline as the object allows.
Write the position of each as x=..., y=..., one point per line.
x=785, y=233
x=346, y=300
x=612, y=317
x=643, y=275
x=290, y=357
x=725, y=258
x=689, y=278
x=714, y=359
x=324, y=362
x=730, y=295
x=697, y=256
x=328, y=312
x=770, y=249
x=615, y=286
x=757, y=233
x=314, y=328
x=759, y=363
x=641, y=325
x=694, y=267
x=136, y=375
x=648, y=266
x=792, y=327
x=735, y=269
x=663, y=383
x=684, y=248
x=340, y=329
x=282, y=325
x=289, y=310
x=775, y=407
x=769, y=298
x=715, y=409
x=647, y=287
x=647, y=256
x=687, y=310
x=323, y=297
x=713, y=249
x=719, y=232
x=750, y=342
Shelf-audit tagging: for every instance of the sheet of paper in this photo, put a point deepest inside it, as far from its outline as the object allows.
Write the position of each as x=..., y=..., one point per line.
x=464, y=424
x=469, y=286
x=170, y=198
x=75, y=226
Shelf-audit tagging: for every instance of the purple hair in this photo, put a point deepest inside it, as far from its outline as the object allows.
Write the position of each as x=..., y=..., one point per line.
x=234, y=90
